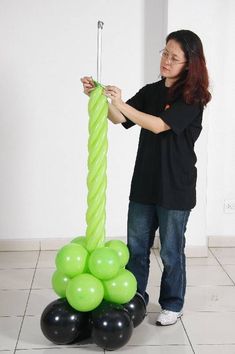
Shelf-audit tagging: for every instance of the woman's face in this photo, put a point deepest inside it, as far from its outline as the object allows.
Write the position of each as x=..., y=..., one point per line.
x=173, y=61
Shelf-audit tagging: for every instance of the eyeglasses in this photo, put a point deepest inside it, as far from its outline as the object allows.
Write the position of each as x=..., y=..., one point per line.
x=172, y=61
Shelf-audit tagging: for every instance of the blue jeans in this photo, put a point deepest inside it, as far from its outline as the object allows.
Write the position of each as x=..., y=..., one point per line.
x=143, y=221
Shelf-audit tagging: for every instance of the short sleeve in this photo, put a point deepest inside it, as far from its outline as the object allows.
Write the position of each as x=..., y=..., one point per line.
x=137, y=102
x=180, y=115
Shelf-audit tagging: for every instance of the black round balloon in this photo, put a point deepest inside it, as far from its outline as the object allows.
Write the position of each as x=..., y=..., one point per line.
x=62, y=324
x=136, y=308
x=112, y=326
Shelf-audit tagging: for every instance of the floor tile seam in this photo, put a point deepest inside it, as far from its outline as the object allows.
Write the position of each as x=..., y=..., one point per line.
x=17, y=268
x=212, y=254
x=223, y=263
x=87, y=346
x=187, y=335
x=213, y=344
x=20, y=251
x=47, y=268
x=209, y=311
x=217, y=259
x=192, y=286
x=204, y=265
x=158, y=345
x=10, y=316
x=52, y=346
x=189, y=312
x=228, y=264
x=186, y=312
x=211, y=286
x=159, y=265
x=25, y=268
x=157, y=256
x=222, y=266
x=199, y=286
x=228, y=283
x=14, y=289
x=209, y=267
x=41, y=288
x=17, y=289
x=158, y=269
x=92, y=345
x=30, y=315
x=58, y=347
x=154, y=253
x=217, y=344
x=27, y=302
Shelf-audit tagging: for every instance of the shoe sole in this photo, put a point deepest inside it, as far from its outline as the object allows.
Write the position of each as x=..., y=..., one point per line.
x=169, y=324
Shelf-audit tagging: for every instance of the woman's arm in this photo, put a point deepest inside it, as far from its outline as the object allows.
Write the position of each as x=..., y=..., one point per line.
x=146, y=121
x=114, y=115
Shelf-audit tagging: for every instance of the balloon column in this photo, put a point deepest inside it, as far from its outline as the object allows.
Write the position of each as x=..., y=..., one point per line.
x=97, y=295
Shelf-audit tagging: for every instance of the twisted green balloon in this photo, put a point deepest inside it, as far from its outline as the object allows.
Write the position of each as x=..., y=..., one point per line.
x=97, y=165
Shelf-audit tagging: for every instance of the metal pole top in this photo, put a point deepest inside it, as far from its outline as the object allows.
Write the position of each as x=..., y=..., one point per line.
x=100, y=25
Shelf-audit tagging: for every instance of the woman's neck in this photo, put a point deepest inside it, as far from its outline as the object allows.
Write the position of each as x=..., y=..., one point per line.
x=169, y=82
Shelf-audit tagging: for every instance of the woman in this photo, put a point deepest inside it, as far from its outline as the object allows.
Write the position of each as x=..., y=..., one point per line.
x=163, y=188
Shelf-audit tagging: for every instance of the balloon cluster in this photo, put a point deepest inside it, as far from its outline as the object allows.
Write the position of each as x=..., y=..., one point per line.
x=98, y=296
x=85, y=279
x=97, y=293
x=110, y=326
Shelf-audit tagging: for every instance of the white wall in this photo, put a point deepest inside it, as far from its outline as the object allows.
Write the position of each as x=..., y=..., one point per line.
x=221, y=148
x=46, y=46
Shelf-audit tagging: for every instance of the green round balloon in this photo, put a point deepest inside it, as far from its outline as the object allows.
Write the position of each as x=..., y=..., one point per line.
x=59, y=283
x=85, y=292
x=120, y=289
x=71, y=259
x=80, y=240
x=122, y=250
x=104, y=263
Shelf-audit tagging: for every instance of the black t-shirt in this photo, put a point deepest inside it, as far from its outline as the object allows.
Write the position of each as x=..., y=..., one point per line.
x=165, y=172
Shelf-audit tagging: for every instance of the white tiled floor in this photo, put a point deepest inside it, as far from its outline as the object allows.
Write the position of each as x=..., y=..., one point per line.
x=207, y=325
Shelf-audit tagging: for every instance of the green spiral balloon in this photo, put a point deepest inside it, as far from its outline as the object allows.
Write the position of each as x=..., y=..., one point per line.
x=97, y=165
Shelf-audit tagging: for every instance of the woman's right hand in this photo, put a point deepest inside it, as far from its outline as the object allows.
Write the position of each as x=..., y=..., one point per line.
x=88, y=84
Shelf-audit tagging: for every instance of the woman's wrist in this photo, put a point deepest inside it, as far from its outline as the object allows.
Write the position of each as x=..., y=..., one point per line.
x=119, y=105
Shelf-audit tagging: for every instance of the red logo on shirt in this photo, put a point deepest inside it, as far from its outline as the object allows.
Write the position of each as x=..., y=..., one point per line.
x=167, y=106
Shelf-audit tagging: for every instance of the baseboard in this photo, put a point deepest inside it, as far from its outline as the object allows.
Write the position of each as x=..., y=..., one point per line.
x=45, y=244
x=49, y=244
x=221, y=241
x=33, y=244
x=19, y=245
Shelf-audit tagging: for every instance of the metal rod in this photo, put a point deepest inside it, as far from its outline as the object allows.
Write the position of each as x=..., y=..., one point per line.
x=99, y=48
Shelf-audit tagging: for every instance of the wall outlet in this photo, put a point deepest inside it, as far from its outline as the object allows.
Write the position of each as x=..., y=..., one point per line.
x=229, y=206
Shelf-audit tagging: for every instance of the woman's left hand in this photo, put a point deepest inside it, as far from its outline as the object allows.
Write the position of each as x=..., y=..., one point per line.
x=115, y=94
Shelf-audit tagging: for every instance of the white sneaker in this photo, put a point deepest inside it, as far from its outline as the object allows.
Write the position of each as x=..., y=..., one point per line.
x=167, y=317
